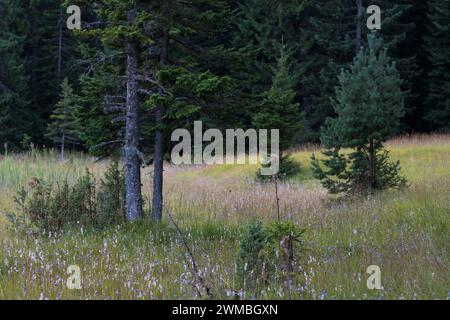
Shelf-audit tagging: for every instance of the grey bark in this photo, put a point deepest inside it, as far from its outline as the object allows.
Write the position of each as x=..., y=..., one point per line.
x=158, y=162
x=131, y=157
x=372, y=164
x=63, y=144
x=60, y=42
x=63, y=136
x=158, y=165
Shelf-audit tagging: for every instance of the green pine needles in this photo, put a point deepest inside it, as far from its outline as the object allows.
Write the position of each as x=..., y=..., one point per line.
x=63, y=129
x=369, y=104
x=279, y=110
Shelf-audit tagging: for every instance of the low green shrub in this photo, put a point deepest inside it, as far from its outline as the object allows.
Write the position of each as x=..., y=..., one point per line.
x=254, y=264
x=111, y=196
x=52, y=207
x=267, y=254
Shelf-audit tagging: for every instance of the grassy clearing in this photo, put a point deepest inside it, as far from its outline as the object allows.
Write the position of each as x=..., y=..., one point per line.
x=406, y=233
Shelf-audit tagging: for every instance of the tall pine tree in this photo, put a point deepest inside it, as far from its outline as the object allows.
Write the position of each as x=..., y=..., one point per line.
x=170, y=58
x=336, y=31
x=261, y=26
x=64, y=128
x=369, y=104
x=279, y=109
x=51, y=53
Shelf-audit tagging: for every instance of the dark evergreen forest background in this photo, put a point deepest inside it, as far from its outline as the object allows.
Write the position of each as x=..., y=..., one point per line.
x=227, y=52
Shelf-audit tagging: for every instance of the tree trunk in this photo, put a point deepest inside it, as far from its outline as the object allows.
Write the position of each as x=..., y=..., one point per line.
x=63, y=137
x=358, y=26
x=63, y=145
x=158, y=168
x=132, y=160
x=372, y=164
x=60, y=42
x=158, y=160
x=31, y=19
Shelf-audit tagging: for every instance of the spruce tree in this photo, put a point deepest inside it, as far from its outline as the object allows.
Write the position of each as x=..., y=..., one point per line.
x=334, y=32
x=280, y=111
x=261, y=25
x=115, y=37
x=51, y=53
x=101, y=130
x=64, y=128
x=369, y=104
x=437, y=44
x=164, y=53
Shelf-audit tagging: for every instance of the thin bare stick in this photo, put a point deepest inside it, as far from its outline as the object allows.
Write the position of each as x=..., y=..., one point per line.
x=278, y=198
x=191, y=258
x=287, y=244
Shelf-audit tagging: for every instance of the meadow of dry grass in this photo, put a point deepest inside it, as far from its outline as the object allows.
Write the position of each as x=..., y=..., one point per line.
x=404, y=232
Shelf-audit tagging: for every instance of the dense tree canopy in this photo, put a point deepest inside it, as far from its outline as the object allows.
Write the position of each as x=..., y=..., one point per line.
x=437, y=43
x=237, y=39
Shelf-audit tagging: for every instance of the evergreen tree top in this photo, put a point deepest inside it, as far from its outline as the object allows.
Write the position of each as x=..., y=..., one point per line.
x=369, y=102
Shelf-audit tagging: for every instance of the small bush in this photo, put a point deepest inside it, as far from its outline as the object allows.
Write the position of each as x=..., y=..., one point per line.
x=355, y=174
x=254, y=261
x=51, y=207
x=267, y=254
x=285, y=236
x=111, y=196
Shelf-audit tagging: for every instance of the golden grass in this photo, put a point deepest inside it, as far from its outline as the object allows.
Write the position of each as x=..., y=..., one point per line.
x=404, y=232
